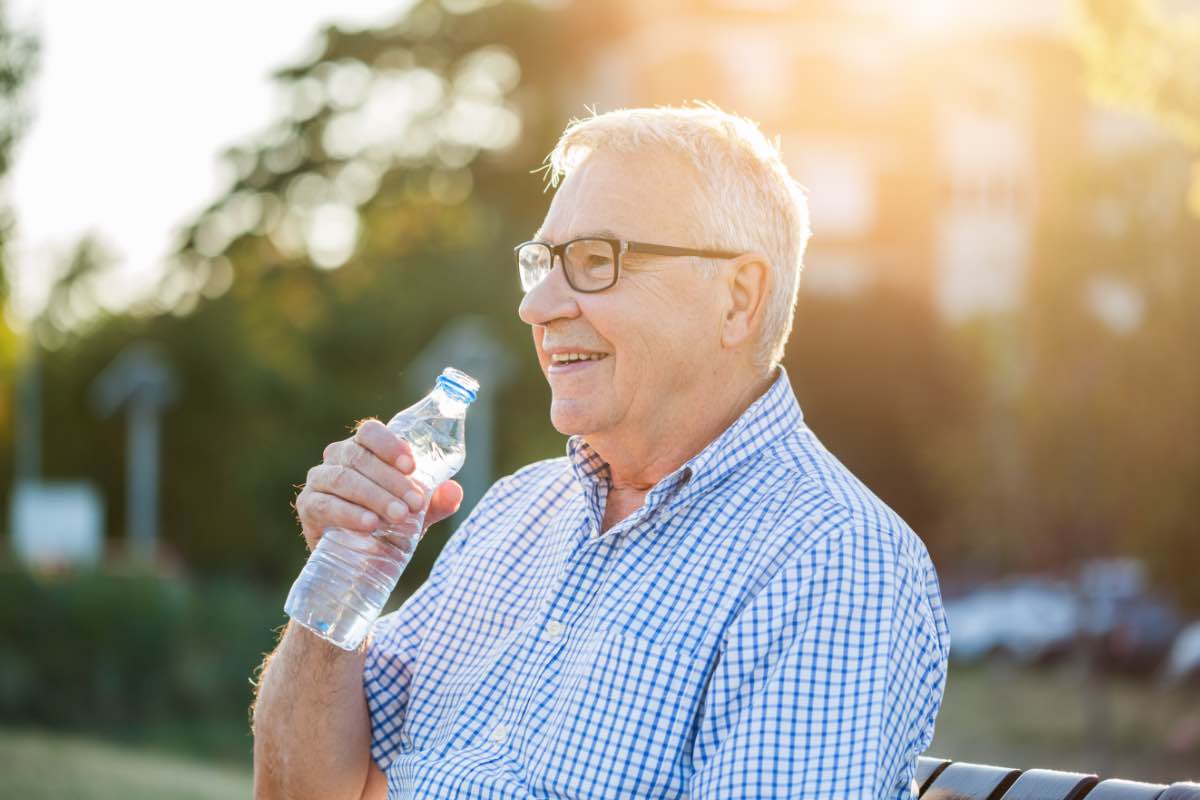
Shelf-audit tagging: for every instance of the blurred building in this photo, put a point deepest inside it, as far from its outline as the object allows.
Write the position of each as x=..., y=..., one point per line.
x=930, y=134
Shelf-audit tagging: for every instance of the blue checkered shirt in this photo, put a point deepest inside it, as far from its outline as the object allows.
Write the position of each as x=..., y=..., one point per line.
x=764, y=626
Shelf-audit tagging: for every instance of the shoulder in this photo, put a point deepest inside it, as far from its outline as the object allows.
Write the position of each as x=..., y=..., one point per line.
x=536, y=487
x=834, y=544
x=549, y=476
x=820, y=499
x=876, y=546
x=834, y=525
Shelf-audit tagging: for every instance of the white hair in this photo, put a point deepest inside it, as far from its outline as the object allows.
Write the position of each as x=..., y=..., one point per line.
x=748, y=200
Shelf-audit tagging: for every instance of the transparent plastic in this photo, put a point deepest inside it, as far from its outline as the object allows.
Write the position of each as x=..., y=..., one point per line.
x=350, y=575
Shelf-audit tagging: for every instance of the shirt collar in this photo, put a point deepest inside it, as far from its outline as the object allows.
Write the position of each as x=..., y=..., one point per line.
x=773, y=415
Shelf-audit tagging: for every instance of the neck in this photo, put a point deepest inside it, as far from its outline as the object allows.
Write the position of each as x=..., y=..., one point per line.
x=638, y=460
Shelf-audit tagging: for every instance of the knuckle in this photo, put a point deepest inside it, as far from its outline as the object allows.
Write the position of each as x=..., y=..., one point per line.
x=359, y=458
x=341, y=480
x=366, y=428
x=320, y=508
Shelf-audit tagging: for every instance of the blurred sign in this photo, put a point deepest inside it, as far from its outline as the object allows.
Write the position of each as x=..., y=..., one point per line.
x=56, y=525
x=139, y=380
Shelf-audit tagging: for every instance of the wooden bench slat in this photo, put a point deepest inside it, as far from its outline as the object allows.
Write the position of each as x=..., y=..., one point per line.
x=960, y=781
x=943, y=779
x=1118, y=789
x=928, y=768
x=1047, y=784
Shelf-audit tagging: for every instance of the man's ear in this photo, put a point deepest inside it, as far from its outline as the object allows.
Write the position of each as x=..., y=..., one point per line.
x=748, y=282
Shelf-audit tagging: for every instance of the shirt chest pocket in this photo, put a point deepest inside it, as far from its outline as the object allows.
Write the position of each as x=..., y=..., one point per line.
x=623, y=718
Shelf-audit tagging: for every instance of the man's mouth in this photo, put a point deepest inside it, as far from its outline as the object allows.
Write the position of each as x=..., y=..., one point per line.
x=572, y=362
x=567, y=358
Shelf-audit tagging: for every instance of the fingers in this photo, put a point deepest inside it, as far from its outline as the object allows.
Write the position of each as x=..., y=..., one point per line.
x=365, y=483
x=401, y=486
x=377, y=459
x=318, y=511
x=351, y=485
x=390, y=448
x=445, y=502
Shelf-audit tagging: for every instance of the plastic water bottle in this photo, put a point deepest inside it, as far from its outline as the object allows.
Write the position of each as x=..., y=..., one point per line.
x=349, y=575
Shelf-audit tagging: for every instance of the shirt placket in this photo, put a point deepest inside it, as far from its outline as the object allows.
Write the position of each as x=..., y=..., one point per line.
x=574, y=592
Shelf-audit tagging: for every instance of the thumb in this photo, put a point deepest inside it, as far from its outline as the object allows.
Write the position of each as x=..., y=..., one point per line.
x=445, y=501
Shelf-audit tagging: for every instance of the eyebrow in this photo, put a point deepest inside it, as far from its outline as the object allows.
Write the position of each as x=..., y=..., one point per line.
x=601, y=233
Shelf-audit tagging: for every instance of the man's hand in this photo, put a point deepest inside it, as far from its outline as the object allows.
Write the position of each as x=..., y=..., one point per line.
x=365, y=482
x=312, y=733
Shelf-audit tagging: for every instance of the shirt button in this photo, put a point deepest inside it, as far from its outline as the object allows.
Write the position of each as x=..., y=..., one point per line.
x=499, y=734
x=554, y=629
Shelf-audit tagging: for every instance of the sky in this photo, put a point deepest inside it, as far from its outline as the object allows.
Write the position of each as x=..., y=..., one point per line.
x=132, y=104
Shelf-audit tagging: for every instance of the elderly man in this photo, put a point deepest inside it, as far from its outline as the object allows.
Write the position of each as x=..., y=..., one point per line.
x=699, y=600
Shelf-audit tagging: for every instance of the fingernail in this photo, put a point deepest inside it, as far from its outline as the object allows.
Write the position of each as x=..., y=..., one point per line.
x=396, y=510
x=414, y=500
x=404, y=464
x=369, y=519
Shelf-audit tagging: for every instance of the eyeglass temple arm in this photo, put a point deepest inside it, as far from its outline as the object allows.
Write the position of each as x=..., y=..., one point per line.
x=668, y=250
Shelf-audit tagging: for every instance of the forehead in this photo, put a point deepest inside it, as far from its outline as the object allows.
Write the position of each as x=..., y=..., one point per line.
x=645, y=196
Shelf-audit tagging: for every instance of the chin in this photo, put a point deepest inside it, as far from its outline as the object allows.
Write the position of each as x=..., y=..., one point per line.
x=568, y=418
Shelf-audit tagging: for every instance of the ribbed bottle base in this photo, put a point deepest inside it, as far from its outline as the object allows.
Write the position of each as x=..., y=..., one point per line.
x=344, y=586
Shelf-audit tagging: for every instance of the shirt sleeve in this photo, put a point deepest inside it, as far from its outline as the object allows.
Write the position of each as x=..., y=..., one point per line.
x=829, y=680
x=395, y=642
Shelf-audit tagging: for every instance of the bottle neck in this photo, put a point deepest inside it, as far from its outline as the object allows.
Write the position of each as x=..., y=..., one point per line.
x=448, y=405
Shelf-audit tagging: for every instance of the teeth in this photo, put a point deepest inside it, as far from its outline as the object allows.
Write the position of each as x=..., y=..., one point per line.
x=565, y=358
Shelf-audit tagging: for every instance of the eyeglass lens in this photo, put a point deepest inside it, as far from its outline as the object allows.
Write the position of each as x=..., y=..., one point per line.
x=590, y=264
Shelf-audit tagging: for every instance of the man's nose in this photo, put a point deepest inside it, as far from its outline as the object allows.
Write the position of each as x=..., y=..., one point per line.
x=551, y=299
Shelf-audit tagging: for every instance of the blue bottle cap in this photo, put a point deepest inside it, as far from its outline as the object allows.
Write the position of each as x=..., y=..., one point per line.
x=458, y=384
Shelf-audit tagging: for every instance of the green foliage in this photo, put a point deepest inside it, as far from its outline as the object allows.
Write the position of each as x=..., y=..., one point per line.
x=1142, y=59
x=277, y=356
x=112, y=653
x=18, y=57
x=1025, y=441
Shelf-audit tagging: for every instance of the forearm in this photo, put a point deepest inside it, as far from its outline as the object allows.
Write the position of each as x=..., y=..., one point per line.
x=311, y=728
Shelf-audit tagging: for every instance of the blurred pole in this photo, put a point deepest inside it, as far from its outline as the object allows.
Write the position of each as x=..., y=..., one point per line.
x=139, y=380
x=468, y=343
x=1097, y=710
x=28, y=462
x=141, y=474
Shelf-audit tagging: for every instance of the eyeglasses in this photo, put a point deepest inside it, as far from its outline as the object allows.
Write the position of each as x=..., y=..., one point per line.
x=591, y=264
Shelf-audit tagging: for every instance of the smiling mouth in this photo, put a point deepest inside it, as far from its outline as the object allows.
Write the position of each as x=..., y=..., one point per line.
x=573, y=362
x=570, y=358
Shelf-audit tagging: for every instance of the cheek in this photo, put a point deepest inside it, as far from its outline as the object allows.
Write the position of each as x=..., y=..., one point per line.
x=538, y=335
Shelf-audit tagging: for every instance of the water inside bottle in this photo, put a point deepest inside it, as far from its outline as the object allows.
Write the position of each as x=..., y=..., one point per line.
x=438, y=454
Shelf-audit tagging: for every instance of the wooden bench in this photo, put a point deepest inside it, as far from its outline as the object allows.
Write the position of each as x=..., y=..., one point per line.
x=942, y=779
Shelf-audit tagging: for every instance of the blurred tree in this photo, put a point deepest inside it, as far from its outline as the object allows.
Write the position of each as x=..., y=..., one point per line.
x=18, y=55
x=1142, y=59
x=383, y=204
x=1111, y=399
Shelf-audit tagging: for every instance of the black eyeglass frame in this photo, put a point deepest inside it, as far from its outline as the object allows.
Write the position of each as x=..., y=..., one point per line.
x=619, y=246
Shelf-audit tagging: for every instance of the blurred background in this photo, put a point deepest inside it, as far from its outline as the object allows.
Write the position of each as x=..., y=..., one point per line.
x=232, y=230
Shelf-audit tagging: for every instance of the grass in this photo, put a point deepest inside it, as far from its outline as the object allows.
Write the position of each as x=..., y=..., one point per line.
x=1059, y=718
x=39, y=765
x=996, y=714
